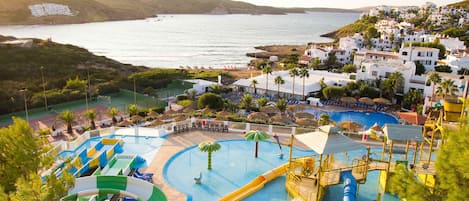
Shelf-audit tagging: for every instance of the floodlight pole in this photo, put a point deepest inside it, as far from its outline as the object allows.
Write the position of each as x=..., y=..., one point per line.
x=25, y=104
x=44, y=87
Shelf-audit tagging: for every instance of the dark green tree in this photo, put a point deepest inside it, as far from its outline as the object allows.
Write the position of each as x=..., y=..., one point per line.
x=349, y=68
x=246, y=102
x=210, y=100
x=419, y=68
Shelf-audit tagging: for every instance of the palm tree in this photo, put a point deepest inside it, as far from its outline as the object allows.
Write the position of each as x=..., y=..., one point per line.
x=434, y=78
x=246, y=102
x=209, y=147
x=91, y=115
x=324, y=119
x=256, y=136
x=293, y=73
x=278, y=81
x=132, y=109
x=267, y=70
x=254, y=84
x=397, y=80
x=282, y=105
x=113, y=112
x=446, y=88
x=304, y=73
x=261, y=102
x=68, y=117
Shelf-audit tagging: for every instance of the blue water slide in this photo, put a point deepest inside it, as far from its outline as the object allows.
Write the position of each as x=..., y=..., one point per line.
x=84, y=156
x=350, y=186
x=103, y=159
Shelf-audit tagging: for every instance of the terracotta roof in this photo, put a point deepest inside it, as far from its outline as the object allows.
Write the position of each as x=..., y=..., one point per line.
x=305, y=58
x=412, y=118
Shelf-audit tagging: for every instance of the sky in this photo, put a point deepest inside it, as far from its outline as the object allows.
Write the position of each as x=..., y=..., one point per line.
x=344, y=3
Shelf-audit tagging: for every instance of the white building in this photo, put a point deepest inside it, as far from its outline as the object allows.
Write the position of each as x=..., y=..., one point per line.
x=424, y=55
x=453, y=45
x=319, y=53
x=374, y=55
x=371, y=69
x=311, y=83
x=456, y=62
x=459, y=82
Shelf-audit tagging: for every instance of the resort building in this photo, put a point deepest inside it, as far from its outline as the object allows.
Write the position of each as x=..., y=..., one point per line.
x=453, y=45
x=315, y=52
x=374, y=55
x=424, y=55
x=311, y=83
x=456, y=62
x=372, y=69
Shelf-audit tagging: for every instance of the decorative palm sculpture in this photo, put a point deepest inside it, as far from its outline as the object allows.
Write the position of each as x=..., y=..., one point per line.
x=256, y=136
x=209, y=147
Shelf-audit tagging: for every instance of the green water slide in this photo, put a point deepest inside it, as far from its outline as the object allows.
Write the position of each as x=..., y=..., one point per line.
x=119, y=165
x=115, y=185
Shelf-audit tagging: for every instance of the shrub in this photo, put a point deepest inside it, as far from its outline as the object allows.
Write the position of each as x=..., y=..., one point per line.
x=184, y=103
x=210, y=100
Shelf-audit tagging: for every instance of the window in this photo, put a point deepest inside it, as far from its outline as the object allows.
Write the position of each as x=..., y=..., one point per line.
x=387, y=74
x=419, y=54
x=374, y=73
x=363, y=68
x=404, y=53
x=429, y=54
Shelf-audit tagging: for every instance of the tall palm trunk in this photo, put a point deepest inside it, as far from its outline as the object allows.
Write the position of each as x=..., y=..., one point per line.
x=69, y=128
x=257, y=148
x=433, y=95
x=303, y=88
x=278, y=91
x=209, y=160
x=93, y=125
x=293, y=88
x=266, y=83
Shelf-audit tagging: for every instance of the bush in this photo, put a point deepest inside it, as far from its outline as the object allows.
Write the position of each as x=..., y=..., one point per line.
x=184, y=103
x=181, y=97
x=443, y=68
x=333, y=92
x=210, y=100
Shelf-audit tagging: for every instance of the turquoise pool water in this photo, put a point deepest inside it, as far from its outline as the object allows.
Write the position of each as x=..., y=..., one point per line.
x=234, y=165
x=367, y=119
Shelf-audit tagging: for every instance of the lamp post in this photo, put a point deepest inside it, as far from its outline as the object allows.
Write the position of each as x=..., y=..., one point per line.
x=44, y=87
x=25, y=103
x=135, y=93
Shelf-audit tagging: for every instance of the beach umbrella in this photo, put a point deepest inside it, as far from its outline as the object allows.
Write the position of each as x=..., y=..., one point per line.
x=136, y=118
x=280, y=119
x=223, y=115
x=153, y=114
x=207, y=110
x=124, y=123
x=382, y=101
x=348, y=99
x=304, y=115
x=351, y=126
x=269, y=109
x=296, y=107
x=188, y=109
x=156, y=123
x=366, y=100
x=376, y=127
x=258, y=116
x=306, y=122
x=180, y=118
x=256, y=136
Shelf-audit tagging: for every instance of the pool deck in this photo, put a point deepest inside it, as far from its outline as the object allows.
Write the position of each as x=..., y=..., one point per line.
x=178, y=142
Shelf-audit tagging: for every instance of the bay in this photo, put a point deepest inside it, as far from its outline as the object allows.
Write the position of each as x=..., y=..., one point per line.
x=170, y=41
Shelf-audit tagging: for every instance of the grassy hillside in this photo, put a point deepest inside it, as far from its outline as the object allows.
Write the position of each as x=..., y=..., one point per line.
x=462, y=4
x=350, y=29
x=17, y=11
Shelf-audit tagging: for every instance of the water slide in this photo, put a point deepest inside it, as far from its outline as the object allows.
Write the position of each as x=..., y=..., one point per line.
x=116, y=185
x=257, y=184
x=350, y=186
x=119, y=165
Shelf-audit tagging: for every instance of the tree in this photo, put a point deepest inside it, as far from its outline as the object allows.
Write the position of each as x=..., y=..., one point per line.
x=267, y=70
x=191, y=94
x=293, y=73
x=393, y=84
x=331, y=61
x=256, y=136
x=412, y=97
x=19, y=145
x=371, y=32
x=282, y=105
x=419, y=68
x=279, y=81
x=434, y=78
x=261, y=102
x=253, y=85
x=304, y=73
x=446, y=88
x=91, y=115
x=132, y=110
x=246, y=102
x=113, y=113
x=333, y=92
x=349, y=68
x=443, y=68
x=407, y=186
x=68, y=117
x=315, y=64
x=210, y=100
x=324, y=119
x=209, y=147
x=75, y=84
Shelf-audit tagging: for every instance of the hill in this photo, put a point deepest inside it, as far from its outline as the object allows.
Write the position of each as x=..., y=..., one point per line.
x=18, y=11
x=462, y=4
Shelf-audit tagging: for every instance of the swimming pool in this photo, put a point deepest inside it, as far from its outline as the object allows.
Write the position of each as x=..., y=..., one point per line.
x=366, y=119
x=234, y=165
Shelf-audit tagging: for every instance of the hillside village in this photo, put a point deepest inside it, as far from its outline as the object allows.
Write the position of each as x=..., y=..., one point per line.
x=414, y=41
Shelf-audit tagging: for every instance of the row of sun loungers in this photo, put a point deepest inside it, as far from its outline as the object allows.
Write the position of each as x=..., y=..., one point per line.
x=376, y=107
x=213, y=127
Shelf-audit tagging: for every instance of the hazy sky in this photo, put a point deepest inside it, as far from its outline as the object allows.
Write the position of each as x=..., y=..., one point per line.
x=344, y=3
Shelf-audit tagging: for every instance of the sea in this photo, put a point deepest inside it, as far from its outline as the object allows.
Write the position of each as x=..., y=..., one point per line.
x=175, y=41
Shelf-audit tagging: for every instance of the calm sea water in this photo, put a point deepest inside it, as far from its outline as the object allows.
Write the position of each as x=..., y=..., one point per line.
x=189, y=40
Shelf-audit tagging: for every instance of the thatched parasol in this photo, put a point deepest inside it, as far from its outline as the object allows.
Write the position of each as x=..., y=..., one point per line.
x=304, y=115
x=269, y=109
x=164, y=117
x=348, y=99
x=188, y=109
x=223, y=115
x=258, y=116
x=136, y=118
x=169, y=112
x=376, y=127
x=153, y=114
x=180, y=118
x=306, y=122
x=207, y=110
x=124, y=123
x=156, y=123
x=280, y=119
x=382, y=101
x=366, y=100
x=295, y=108
x=351, y=126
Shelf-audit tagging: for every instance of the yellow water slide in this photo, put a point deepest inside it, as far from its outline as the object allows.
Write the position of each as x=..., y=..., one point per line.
x=257, y=183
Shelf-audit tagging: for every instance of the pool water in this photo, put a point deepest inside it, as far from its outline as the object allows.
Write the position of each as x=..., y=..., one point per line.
x=366, y=119
x=234, y=165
